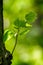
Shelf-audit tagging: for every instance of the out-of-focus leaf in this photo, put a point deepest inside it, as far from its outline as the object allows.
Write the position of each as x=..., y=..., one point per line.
x=25, y=31
x=30, y=17
x=28, y=25
x=19, y=23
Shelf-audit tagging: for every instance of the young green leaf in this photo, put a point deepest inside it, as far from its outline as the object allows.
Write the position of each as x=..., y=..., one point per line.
x=25, y=31
x=5, y=36
x=19, y=23
x=30, y=17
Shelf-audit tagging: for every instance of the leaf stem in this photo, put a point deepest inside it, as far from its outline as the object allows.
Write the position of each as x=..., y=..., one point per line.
x=16, y=41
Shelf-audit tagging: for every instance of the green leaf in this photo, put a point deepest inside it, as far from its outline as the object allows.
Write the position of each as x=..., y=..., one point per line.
x=24, y=32
x=5, y=36
x=28, y=25
x=19, y=23
x=30, y=17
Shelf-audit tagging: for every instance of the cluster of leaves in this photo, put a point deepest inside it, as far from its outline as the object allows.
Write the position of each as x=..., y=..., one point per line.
x=29, y=19
x=18, y=24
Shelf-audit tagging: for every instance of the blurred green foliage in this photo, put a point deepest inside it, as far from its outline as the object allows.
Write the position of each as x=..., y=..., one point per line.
x=28, y=16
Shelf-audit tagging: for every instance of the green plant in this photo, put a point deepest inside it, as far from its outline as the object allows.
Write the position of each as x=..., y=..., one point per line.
x=20, y=24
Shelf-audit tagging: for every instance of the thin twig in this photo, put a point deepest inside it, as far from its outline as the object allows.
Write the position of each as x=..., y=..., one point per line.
x=16, y=41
